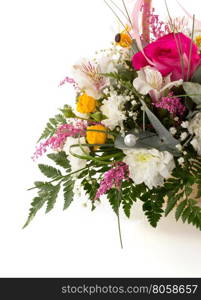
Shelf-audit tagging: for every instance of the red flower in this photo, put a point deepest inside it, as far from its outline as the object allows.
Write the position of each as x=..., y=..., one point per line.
x=170, y=54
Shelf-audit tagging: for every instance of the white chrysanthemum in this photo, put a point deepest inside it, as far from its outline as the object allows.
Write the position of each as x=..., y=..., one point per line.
x=87, y=75
x=195, y=129
x=113, y=109
x=149, y=166
x=76, y=163
x=150, y=81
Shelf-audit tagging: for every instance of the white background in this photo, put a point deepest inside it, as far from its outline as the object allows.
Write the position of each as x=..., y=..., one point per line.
x=40, y=39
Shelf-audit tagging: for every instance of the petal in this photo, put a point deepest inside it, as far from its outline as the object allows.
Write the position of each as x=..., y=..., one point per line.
x=171, y=84
x=139, y=61
x=153, y=78
x=141, y=86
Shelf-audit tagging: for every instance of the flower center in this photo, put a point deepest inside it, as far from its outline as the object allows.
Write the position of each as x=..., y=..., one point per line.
x=143, y=157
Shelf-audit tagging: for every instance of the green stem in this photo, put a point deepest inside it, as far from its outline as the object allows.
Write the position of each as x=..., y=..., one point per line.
x=118, y=217
x=191, y=49
x=176, y=41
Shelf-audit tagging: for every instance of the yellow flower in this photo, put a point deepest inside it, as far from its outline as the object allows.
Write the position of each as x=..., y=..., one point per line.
x=95, y=137
x=86, y=104
x=198, y=40
x=123, y=39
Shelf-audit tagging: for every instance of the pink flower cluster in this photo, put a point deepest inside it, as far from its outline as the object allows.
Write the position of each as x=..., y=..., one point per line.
x=67, y=80
x=172, y=104
x=56, y=142
x=112, y=178
x=157, y=28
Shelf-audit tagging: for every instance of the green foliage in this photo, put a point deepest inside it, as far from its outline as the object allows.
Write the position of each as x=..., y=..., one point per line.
x=68, y=112
x=36, y=204
x=49, y=171
x=121, y=79
x=52, y=125
x=60, y=158
x=51, y=195
x=98, y=116
x=68, y=192
x=47, y=191
x=114, y=198
x=193, y=90
x=153, y=203
x=180, y=209
x=179, y=192
x=129, y=194
x=89, y=182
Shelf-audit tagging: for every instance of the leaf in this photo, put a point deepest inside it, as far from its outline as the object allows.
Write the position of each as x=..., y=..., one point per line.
x=68, y=111
x=171, y=204
x=60, y=159
x=97, y=116
x=52, y=196
x=49, y=171
x=186, y=213
x=197, y=76
x=51, y=126
x=114, y=199
x=193, y=90
x=36, y=204
x=145, y=140
x=166, y=138
x=129, y=194
x=68, y=192
x=180, y=209
x=39, y=184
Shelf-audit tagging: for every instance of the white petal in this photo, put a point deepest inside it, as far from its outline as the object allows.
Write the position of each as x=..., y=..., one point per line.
x=141, y=86
x=153, y=78
x=171, y=84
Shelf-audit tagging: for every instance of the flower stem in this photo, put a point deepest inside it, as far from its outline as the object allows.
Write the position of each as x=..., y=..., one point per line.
x=119, y=228
x=118, y=217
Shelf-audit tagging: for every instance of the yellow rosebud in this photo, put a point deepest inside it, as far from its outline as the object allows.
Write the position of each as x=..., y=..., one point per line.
x=123, y=39
x=86, y=104
x=95, y=137
x=198, y=40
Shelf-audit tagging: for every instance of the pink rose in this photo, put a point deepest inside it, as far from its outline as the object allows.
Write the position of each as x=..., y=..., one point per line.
x=165, y=56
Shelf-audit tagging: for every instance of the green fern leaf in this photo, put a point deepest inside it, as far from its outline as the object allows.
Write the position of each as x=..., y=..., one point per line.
x=186, y=214
x=36, y=204
x=113, y=197
x=51, y=126
x=68, y=192
x=60, y=159
x=52, y=196
x=171, y=204
x=153, y=203
x=180, y=209
x=49, y=171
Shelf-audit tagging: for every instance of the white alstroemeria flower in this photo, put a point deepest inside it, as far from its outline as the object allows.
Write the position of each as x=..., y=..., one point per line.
x=150, y=81
x=149, y=166
x=87, y=74
x=76, y=163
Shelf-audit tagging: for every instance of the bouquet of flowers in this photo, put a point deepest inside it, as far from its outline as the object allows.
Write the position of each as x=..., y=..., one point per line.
x=134, y=133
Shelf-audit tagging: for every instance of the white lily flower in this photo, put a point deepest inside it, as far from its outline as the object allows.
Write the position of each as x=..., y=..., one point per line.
x=150, y=81
x=87, y=74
